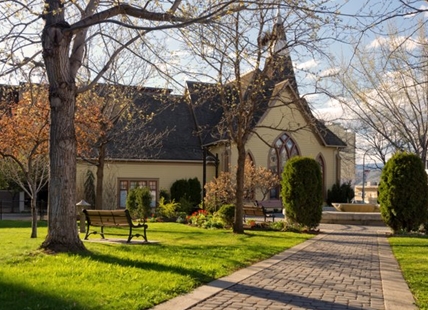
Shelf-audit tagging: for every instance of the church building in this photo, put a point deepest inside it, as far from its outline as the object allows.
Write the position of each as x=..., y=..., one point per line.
x=197, y=146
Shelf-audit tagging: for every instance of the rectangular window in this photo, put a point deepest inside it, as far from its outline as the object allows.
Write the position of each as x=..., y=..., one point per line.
x=126, y=185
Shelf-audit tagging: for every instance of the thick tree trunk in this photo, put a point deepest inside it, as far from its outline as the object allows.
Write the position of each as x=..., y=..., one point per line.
x=100, y=178
x=238, y=225
x=62, y=229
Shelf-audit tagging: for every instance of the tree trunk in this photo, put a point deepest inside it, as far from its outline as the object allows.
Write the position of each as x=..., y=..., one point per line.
x=62, y=229
x=100, y=178
x=34, y=216
x=238, y=225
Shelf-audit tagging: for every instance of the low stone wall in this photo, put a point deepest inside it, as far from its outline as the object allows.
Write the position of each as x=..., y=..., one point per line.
x=352, y=218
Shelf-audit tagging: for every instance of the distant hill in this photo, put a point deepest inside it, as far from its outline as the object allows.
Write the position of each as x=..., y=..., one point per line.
x=373, y=176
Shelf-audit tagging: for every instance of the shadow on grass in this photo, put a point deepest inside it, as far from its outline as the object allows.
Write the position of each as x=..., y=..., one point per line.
x=18, y=297
x=194, y=273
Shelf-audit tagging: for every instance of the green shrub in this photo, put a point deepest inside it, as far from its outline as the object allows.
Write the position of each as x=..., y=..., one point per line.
x=167, y=209
x=285, y=226
x=227, y=213
x=195, y=191
x=301, y=191
x=204, y=219
x=139, y=202
x=185, y=206
x=179, y=189
x=340, y=193
x=188, y=189
x=163, y=193
x=403, y=192
x=181, y=217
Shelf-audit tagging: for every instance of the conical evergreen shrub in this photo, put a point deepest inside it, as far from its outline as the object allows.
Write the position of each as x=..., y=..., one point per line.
x=403, y=192
x=301, y=191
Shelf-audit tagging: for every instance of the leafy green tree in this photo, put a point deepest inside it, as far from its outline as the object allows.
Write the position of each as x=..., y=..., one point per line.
x=403, y=192
x=301, y=191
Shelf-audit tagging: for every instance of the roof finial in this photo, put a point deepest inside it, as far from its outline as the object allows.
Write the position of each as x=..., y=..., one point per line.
x=279, y=47
x=278, y=16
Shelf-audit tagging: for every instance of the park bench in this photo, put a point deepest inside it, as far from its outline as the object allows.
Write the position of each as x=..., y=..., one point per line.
x=271, y=206
x=253, y=210
x=112, y=218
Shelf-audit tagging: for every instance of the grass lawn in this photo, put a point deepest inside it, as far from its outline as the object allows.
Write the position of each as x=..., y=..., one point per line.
x=412, y=255
x=122, y=276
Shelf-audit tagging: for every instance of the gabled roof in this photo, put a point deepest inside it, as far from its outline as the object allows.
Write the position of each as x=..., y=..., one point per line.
x=207, y=112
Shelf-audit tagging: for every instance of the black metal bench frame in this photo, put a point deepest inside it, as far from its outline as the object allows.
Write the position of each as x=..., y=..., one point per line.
x=112, y=218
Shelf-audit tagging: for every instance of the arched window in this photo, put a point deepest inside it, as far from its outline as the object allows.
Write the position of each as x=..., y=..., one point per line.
x=283, y=149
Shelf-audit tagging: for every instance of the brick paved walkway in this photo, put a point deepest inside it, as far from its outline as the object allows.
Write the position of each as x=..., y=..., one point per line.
x=350, y=267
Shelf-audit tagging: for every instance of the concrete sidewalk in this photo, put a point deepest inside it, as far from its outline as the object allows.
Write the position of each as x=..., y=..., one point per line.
x=345, y=267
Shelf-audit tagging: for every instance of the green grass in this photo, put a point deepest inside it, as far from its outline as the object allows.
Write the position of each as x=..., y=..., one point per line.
x=412, y=255
x=121, y=276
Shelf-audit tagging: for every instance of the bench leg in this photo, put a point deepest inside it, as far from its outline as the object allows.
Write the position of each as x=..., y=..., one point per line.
x=130, y=234
x=87, y=231
x=102, y=232
x=137, y=235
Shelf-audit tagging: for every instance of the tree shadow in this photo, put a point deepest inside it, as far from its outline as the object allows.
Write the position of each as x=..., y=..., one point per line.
x=18, y=297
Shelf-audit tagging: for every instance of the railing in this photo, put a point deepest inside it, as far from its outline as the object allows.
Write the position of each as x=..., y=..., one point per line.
x=12, y=207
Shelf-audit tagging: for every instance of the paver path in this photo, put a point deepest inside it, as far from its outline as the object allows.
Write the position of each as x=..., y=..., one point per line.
x=337, y=270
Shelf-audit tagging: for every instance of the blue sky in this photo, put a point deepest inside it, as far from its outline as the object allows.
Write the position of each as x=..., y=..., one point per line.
x=369, y=11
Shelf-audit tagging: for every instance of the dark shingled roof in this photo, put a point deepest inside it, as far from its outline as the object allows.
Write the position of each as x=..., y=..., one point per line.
x=329, y=138
x=206, y=111
x=171, y=114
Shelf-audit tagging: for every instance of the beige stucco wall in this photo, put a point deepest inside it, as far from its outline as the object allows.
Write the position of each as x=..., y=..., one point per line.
x=166, y=173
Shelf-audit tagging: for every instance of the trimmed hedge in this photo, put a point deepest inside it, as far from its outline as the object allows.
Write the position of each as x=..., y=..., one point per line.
x=403, y=192
x=301, y=191
x=340, y=193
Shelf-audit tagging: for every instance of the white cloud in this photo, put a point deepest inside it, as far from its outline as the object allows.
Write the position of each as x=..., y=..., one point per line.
x=307, y=64
x=329, y=72
x=394, y=42
x=421, y=9
x=329, y=111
